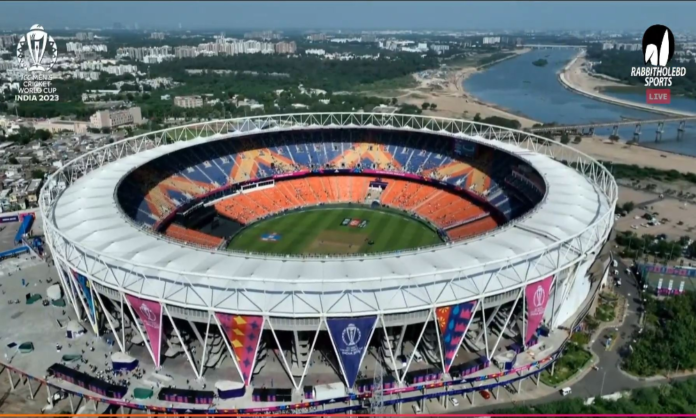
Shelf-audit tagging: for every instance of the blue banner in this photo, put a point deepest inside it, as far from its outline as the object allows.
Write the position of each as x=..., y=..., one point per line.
x=350, y=337
x=84, y=285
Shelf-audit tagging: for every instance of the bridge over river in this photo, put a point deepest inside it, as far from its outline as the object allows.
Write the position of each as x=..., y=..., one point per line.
x=589, y=128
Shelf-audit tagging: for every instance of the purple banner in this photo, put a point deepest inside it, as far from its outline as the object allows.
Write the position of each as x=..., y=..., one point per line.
x=150, y=313
x=6, y=219
x=350, y=337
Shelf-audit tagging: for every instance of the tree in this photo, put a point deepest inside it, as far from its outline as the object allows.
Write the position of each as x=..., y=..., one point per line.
x=628, y=207
x=565, y=138
x=13, y=160
x=425, y=105
x=433, y=106
x=577, y=139
x=37, y=174
x=43, y=135
x=394, y=101
x=691, y=250
x=106, y=130
x=477, y=117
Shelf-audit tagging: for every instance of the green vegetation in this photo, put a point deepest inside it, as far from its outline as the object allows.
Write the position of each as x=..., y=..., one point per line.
x=668, y=338
x=634, y=172
x=606, y=308
x=626, y=207
x=397, y=83
x=573, y=360
x=482, y=62
x=540, y=62
x=320, y=231
x=565, y=138
x=674, y=398
x=617, y=64
x=25, y=135
x=499, y=121
x=634, y=246
x=257, y=77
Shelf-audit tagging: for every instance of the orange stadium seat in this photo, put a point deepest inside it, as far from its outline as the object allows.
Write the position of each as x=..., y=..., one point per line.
x=190, y=236
x=473, y=228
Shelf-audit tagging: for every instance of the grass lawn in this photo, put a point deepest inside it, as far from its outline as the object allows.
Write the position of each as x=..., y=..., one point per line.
x=321, y=231
x=574, y=358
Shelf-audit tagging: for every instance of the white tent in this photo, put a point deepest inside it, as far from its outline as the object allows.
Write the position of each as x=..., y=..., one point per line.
x=74, y=330
x=122, y=357
x=53, y=292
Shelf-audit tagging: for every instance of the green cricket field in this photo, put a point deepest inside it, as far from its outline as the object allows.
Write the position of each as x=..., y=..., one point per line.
x=335, y=230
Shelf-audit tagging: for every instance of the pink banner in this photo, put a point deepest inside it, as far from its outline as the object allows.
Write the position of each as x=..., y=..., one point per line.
x=537, y=296
x=151, y=314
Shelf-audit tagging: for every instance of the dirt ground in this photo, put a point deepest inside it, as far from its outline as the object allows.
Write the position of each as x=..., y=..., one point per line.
x=622, y=153
x=673, y=210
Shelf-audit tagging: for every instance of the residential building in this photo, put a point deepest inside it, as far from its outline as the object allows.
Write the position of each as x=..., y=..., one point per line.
x=188, y=101
x=113, y=119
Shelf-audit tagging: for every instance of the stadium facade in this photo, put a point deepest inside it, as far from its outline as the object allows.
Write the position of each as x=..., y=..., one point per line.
x=452, y=305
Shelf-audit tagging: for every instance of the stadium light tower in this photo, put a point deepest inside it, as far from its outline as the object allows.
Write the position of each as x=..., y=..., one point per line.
x=377, y=404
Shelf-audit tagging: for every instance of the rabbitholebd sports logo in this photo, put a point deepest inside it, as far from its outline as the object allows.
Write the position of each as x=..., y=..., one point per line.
x=658, y=51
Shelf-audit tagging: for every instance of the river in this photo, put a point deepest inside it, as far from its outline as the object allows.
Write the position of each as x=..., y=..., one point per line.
x=522, y=88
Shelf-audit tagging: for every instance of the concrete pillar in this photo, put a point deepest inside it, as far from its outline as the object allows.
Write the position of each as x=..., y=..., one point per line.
x=519, y=387
x=473, y=394
x=31, y=390
x=553, y=365
x=72, y=407
x=398, y=350
x=497, y=392
x=296, y=351
x=636, y=133
x=658, y=132
x=50, y=396
x=9, y=375
x=488, y=323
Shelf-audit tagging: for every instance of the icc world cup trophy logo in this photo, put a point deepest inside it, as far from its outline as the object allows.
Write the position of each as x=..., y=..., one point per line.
x=351, y=337
x=538, y=300
x=32, y=48
x=148, y=315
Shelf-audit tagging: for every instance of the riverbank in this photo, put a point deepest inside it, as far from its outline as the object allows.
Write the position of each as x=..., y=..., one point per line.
x=623, y=153
x=575, y=78
x=451, y=99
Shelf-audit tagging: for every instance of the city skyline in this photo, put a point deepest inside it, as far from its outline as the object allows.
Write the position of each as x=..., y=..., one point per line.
x=353, y=15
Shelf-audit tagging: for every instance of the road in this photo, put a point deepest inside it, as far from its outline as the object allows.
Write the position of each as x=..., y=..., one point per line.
x=608, y=379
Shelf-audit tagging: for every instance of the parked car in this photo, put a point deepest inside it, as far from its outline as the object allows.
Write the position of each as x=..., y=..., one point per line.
x=454, y=402
x=486, y=394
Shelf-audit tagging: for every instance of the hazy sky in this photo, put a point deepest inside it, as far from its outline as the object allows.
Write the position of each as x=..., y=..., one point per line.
x=348, y=15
